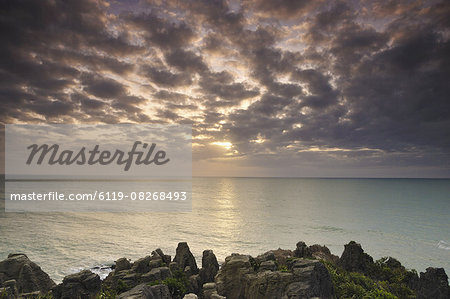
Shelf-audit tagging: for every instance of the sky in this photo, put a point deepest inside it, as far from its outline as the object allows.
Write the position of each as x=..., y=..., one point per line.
x=271, y=88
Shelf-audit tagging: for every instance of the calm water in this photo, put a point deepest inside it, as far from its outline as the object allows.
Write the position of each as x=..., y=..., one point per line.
x=405, y=218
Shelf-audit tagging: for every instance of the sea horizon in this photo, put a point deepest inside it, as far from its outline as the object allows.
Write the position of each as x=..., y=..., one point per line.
x=403, y=218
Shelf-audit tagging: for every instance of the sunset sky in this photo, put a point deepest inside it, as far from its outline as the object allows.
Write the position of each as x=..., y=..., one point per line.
x=271, y=88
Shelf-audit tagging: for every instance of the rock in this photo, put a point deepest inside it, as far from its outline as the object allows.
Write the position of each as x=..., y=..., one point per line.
x=165, y=258
x=161, y=291
x=302, y=250
x=323, y=253
x=308, y=279
x=142, y=265
x=188, y=271
x=268, y=266
x=173, y=267
x=29, y=276
x=433, y=284
x=354, y=259
x=208, y=289
x=154, y=274
x=31, y=295
x=190, y=296
x=267, y=256
x=122, y=264
x=210, y=266
x=281, y=255
x=155, y=263
x=237, y=279
x=143, y=291
x=84, y=284
x=10, y=289
x=231, y=280
x=184, y=258
x=194, y=283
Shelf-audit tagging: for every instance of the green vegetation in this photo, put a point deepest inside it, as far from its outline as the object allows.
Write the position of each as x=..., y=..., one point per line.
x=382, y=282
x=283, y=268
x=178, y=284
x=106, y=293
x=3, y=294
x=122, y=286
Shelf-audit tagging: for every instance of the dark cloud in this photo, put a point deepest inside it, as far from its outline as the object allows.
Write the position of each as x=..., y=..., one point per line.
x=102, y=87
x=161, y=32
x=167, y=78
x=350, y=83
x=186, y=61
x=283, y=9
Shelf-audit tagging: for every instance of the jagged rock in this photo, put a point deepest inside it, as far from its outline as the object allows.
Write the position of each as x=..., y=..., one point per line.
x=143, y=291
x=173, y=267
x=433, y=284
x=10, y=289
x=29, y=276
x=131, y=279
x=307, y=279
x=142, y=265
x=230, y=280
x=354, y=259
x=122, y=264
x=155, y=263
x=268, y=266
x=84, y=284
x=209, y=289
x=302, y=250
x=210, y=266
x=161, y=291
x=188, y=271
x=323, y=253
x=165, y=258
x=184, y=258
x=194, y=283
x=392, y=263
x=267, y=256
x=154, y=274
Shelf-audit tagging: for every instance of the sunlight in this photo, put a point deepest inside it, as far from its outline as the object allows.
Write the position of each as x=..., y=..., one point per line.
x=224, y=144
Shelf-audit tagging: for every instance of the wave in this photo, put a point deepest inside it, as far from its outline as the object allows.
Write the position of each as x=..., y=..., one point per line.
x=443, y=245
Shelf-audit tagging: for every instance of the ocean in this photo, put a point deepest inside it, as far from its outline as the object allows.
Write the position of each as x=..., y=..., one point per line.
x=404, y=218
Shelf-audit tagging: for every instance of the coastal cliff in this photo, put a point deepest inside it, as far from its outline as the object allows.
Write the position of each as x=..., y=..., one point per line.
x=305, y=272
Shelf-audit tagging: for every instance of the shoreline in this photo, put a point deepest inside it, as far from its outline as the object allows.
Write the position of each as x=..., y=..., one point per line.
x=276, y=273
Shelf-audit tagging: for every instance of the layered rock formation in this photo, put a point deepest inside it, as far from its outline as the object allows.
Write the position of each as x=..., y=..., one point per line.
x=19, y=275
x=306, y=272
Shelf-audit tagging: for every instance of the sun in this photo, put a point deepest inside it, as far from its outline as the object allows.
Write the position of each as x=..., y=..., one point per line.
x=224, y=144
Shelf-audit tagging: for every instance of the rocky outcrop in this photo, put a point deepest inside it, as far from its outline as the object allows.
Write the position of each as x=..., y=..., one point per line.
x=433, y=284
x=241, y=277
x=210, y=267
x=151, y=268
x=231, y=279
x=122, y=264
x=302, y=273
x=354, y=259
x=144, y=291
x=184, y=258
x=19, y=274
x=83, y=285
x=320, y=252
x=302, y=250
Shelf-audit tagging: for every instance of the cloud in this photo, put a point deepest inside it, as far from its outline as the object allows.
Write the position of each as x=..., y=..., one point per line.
x=350, y=84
